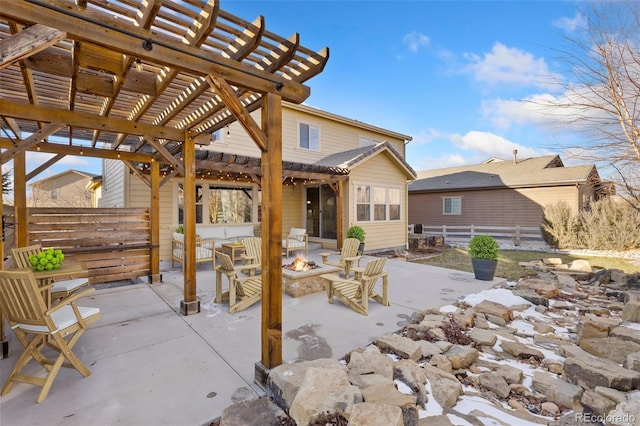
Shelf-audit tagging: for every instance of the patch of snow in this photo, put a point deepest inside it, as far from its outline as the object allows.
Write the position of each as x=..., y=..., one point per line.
x=499, y=295
x=447, y=309
x=432, y=408
x=467, y=404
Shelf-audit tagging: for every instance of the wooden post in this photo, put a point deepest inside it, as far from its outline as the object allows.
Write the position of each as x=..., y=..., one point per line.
x=3, y=337
x=339, y=212
x=271, y=329
x=154, y=273
x=190, y=304
x=20, y=200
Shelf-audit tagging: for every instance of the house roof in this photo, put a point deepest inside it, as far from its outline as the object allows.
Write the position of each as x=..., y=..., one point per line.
x=354, y=157
x=90, y=176
x=496, y=173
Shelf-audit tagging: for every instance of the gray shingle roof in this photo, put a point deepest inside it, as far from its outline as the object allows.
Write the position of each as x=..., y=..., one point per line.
x=538, y=171
x=350, y=158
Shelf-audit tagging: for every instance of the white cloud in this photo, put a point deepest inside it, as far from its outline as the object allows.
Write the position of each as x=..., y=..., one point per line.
x=428, y=136
x=570, y=25
x=509, y=65
x=491, y=145
x=415, y=40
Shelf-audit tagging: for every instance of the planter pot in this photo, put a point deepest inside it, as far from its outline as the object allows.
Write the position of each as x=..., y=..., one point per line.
x=484, y=269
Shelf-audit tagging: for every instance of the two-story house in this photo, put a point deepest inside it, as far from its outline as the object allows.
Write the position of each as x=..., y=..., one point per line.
x=67, y=189
x=336, y=172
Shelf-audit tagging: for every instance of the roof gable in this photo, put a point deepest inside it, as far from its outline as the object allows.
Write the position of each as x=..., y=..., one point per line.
x=355, y=157
x=89, y=176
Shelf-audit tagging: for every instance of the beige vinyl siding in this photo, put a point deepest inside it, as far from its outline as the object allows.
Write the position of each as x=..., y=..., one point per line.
x=379, y=171
x=292, y=207
x=491, y=207
x=334, y=137
x=113, y=184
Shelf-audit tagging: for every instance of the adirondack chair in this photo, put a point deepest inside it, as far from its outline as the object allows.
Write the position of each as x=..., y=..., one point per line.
x=61, y=288
x=347, y=256
x=36, y=326
x=356, y=293
x=243, y=291
x=252, y=256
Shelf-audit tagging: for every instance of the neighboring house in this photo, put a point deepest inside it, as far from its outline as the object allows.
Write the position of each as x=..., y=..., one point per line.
x=500, y=192
x=66, y=189
x=323, y=154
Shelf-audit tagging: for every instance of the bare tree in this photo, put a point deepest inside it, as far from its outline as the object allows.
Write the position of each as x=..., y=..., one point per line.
x=601, y=92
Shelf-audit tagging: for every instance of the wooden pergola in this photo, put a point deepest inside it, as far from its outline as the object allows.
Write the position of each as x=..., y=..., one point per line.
x=145, y=82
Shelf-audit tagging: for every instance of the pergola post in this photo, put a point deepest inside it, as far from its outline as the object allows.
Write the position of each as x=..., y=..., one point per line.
x=271, y=328
x=20, y=199
x=190, y=304
x=154, y=273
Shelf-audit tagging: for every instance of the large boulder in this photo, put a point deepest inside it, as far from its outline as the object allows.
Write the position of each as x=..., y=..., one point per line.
x=589, y=371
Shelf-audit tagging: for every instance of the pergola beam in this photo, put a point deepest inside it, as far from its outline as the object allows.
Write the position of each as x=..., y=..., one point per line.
x=86, y=120
x=28, y=42
x=102, y=29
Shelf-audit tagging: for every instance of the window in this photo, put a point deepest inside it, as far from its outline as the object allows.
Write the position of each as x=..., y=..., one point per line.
x=199, y=206
x=377, y=202
x=216, y=137
x=54, y=194
x=452, y=205
x=229, y=205
x=223, y=204
x=309, y=137
x=363, y=203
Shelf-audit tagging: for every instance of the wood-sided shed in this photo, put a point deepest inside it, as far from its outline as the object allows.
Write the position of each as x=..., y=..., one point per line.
x=145, y=82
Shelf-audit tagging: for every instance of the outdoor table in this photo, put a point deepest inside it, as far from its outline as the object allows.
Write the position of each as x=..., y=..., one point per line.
x=46, y=278
x=234, y=250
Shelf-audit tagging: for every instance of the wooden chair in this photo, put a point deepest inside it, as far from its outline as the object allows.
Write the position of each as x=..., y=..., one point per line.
x=356, y=293
x=243, y=292
x=205, y=250
x=348, y=255
x=252, y=256
x=60, y=288
x=297, y=239
x=38, y=327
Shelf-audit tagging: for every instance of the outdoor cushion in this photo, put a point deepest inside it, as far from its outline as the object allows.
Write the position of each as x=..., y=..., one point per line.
x=241, y=231
x=293, y=243
x=297, y=234
x=211, y=232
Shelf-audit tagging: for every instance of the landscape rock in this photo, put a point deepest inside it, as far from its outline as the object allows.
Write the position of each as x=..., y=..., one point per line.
x=611, y=348
x=495, y=383
x=401, y=346
x=626, y=333
x=627, y=412
x=445, y=387
x=410, y=373
x=631, y=311
x=258, y=411
x=368, y=414
x=589, y=371
x=370, y=361
x=284, y=380
x=550, y=407
x=580, y=265
x=489, y=307
x=520, y=350
x=542, y=381
x=597, y=403
x=442, y=362
x=389, y=395
x=429, y=349
x=322, y=392
x=543, y=288
x=632, y=361
x=510, y=374
x=461, y=356
x=564, y=394
x=483, y=337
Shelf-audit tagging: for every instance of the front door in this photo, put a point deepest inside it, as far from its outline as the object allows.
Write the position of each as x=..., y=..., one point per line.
x=321, y=212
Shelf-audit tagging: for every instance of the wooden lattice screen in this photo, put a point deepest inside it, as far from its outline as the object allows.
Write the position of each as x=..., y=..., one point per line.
x=113, y=243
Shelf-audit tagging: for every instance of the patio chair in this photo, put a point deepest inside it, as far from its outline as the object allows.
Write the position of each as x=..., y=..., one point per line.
x=296, y=240
x=356, y=293
x=252, y=256
x=60, y=288
x=243, y=291
x=37, y=328
x=348, y=255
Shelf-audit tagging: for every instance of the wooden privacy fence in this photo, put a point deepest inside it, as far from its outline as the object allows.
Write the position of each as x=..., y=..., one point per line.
x=113, y=243
x=517, y=233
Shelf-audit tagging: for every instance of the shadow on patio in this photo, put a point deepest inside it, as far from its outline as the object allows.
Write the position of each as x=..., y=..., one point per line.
x=152, y=366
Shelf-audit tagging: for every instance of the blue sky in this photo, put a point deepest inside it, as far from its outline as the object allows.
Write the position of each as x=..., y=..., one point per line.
x=450, y=74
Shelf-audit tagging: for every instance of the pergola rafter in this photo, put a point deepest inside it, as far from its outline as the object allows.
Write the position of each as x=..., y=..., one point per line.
x=144, y=81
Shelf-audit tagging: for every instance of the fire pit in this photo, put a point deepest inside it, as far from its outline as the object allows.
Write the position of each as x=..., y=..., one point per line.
x=302, y=277
x=301, y=264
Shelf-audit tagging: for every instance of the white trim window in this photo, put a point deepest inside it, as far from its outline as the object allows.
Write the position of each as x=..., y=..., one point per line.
x=377, y=203
x=308, y=137
x=452, y=205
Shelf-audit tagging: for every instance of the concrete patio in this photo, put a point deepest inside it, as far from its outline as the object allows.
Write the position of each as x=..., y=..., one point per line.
x=152, y=366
